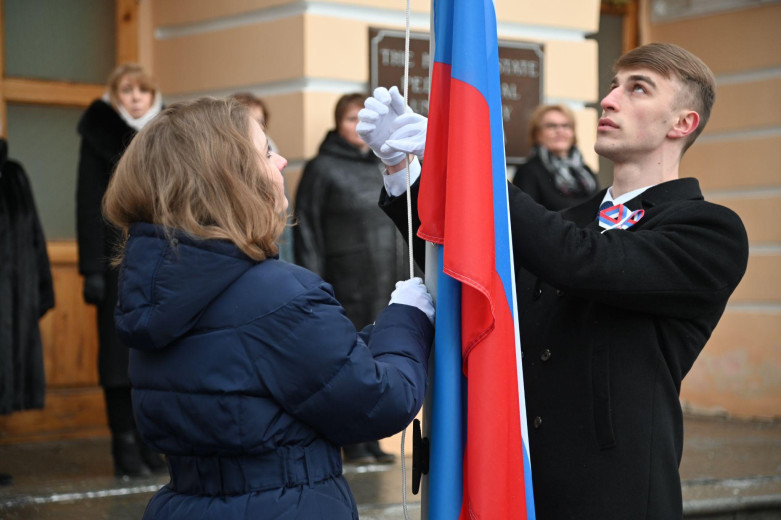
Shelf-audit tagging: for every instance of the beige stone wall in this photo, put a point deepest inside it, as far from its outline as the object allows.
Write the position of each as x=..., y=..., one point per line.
x=300, y=58
x=738, y=162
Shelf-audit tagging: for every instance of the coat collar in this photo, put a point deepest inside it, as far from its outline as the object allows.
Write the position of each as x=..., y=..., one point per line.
x=104, y=130
x=335, y=145
x=670, y=191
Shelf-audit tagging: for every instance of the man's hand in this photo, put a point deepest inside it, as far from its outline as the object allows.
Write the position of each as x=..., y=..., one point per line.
x=408, y=135
x=375, y=122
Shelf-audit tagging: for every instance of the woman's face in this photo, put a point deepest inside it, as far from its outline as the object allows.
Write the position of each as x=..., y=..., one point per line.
x=134, y=98
x=347, y=127
x=556, y=133
x=276, y=161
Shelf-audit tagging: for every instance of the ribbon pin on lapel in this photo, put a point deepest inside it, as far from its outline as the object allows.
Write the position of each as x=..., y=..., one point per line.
x=619, y=217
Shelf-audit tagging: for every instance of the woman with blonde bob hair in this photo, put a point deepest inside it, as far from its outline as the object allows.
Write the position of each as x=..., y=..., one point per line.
x=246, y=372
x=108, y=125
x=554, y=174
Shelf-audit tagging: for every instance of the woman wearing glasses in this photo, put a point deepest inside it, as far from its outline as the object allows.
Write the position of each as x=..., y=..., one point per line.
x=555, y=174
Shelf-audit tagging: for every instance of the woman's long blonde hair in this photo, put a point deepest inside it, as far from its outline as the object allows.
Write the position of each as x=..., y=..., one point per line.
x=195, y=168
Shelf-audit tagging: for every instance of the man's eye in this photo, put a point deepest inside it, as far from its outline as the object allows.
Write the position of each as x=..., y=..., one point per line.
x=638, y=88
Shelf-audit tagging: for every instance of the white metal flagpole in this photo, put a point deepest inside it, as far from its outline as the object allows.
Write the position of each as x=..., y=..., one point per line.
x=430, y=270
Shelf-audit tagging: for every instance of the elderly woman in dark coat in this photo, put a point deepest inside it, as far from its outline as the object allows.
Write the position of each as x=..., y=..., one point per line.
x=106, y=128
x=554, y=174
x=246, y=372
x=343, y=236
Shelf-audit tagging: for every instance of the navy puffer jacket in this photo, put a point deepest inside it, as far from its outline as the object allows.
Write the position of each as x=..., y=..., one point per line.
x=249, y=376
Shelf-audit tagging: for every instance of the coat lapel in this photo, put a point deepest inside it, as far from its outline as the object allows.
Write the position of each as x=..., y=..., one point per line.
x=585, y=214
x=667, y=192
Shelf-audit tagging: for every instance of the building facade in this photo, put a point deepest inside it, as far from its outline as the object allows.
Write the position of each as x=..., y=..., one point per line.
x=301, y=56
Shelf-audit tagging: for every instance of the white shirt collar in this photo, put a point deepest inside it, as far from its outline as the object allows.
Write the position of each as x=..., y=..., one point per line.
x=625, y=197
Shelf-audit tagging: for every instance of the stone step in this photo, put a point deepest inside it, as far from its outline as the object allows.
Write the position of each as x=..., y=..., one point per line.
x=731, y=470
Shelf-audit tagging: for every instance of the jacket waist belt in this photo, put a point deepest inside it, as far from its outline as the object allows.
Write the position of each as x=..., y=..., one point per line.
x=289, y=466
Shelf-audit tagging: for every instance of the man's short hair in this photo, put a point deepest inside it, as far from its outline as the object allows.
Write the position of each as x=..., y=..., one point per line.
x=345, y=102
x=669, y=60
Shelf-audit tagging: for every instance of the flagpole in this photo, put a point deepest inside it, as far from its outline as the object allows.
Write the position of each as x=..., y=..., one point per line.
x=430, y=270
x=476, y=401
x=430, y=279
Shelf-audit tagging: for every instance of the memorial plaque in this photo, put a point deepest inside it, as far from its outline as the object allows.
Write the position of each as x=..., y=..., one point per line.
x=520, y=73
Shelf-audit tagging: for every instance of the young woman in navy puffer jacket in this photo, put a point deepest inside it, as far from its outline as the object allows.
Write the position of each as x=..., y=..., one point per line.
x=246, y=373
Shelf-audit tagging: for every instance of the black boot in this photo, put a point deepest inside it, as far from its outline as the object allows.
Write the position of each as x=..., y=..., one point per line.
x=357, y=454
x=127, y=456
x=154, y=461
x=382, y=457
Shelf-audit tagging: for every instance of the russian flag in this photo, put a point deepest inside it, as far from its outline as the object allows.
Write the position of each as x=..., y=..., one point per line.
x=479, y=466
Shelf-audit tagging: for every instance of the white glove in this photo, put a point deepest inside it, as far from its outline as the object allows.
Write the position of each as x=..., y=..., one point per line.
x=413, y=292
x=375, y=121
x=408, y=135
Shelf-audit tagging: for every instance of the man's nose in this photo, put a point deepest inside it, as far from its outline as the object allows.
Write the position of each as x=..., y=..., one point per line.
x=610, y=101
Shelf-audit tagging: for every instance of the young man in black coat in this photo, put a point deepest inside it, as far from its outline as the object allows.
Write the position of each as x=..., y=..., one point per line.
x=613, y=309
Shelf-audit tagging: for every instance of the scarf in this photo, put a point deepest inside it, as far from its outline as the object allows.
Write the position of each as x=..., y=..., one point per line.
x=139, y=122
x=570, y=175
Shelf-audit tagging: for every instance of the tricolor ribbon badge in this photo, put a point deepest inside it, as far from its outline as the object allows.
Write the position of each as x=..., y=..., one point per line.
x=619, y=217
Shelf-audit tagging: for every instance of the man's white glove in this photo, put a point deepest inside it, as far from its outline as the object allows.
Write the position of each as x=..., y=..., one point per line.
x=408, y=135
x=413, y=292
x=376, y=119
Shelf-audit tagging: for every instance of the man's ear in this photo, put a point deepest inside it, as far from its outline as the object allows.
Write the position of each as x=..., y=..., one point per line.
x=687, y=123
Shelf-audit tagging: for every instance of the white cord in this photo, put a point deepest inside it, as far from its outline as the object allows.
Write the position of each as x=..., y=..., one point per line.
x=409, y=243
x=406, y=103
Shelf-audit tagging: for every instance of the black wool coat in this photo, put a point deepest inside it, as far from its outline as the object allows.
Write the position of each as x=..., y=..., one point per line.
x=341, y=234
x=533, y=178
x=26, y=291
x=610, y=324
x=104, y=137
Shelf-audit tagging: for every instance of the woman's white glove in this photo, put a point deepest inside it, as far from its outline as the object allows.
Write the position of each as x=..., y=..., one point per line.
x=375, y=122
x=408, y=135
x=413, y=292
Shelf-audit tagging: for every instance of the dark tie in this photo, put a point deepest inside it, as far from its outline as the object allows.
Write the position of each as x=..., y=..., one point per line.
x=604, y=206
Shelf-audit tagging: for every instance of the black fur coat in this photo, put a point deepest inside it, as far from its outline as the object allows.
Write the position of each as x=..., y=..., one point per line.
x=26, y=291
x=104, y=137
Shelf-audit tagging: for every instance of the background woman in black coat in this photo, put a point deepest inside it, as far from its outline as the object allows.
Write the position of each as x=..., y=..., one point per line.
x=554, y=174
x=26, y=293
x=106, y=129
x=344, y=237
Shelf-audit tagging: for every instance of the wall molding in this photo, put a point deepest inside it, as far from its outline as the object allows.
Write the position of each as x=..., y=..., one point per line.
x=674, y=10
x=371, y=15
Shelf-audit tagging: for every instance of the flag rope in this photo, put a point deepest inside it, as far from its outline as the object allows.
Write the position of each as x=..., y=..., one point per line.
x=409, y=241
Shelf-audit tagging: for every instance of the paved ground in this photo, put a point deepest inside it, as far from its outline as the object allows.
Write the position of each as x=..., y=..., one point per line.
x=731, y=470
